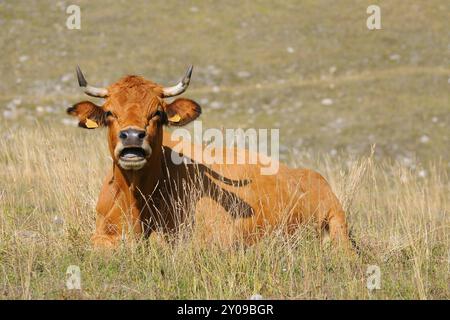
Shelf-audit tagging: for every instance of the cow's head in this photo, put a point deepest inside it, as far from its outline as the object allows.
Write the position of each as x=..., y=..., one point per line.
x=134, y=111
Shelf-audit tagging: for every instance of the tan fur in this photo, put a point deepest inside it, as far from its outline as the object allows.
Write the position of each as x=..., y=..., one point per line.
x=232, y=203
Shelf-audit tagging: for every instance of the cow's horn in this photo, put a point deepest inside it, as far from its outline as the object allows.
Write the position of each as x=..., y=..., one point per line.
x=181, y=86
x=90, y=90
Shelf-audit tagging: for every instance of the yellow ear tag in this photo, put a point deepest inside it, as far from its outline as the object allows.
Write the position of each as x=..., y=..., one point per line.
x=175, y=118
x=91, y=124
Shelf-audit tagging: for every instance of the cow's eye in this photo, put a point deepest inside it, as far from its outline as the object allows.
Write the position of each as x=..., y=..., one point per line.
x=109, y=114
x=157, y=113
x=158, y=117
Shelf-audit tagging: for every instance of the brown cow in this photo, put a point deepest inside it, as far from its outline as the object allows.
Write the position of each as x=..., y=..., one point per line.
x=145, y=191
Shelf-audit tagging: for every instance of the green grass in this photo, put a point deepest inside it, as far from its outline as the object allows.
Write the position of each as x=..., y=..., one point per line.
x=377, y=98
x=48, y=195
x=389, y=88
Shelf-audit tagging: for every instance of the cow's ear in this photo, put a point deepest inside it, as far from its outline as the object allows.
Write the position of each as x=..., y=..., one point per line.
x=182, y=111
x=90, y=115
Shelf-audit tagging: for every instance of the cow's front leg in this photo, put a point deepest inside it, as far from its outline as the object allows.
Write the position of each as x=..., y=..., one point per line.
x=116, y=226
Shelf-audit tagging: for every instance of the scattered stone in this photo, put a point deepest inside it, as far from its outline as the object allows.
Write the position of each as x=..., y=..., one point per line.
x=327, y=102
x=256, y=297
x=10, y=114
x=212, y=69
x=23, y=58
x=290, y=50
x=394, y=57
x=216, y=105
x=424, y=139
x=422, y=173
x=66, y=77
x=58, y=220
x=49, y=109
x=14, y=103
x=408, y=162
x=332, y=69
x=204, y=100
x=69, y=122
x=243, y=74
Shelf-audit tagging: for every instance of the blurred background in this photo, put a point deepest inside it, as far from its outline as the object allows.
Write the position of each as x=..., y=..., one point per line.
x=310, y=68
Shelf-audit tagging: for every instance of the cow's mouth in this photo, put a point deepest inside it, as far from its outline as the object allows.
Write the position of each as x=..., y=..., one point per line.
x=132, y=154
x=133, y=158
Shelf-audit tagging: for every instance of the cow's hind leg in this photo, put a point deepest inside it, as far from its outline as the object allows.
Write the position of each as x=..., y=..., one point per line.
x=329, y=212
x=337, y=228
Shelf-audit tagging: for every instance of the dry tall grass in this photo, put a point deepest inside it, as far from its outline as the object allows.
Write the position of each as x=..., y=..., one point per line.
x=50, y=178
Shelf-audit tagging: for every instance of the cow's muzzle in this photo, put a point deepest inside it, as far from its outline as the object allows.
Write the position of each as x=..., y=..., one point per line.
x=133, y=157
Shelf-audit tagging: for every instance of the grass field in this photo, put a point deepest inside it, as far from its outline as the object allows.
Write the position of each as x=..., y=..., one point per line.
x=312, y=69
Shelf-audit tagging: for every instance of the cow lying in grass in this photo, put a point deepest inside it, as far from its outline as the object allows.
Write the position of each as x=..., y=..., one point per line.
x=145, y=191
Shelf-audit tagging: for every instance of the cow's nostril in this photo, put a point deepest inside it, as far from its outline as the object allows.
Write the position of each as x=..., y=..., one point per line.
x=132, y=136
x=123, y=135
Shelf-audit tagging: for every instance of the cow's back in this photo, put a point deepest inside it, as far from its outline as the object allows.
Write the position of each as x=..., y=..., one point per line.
x=238, y=201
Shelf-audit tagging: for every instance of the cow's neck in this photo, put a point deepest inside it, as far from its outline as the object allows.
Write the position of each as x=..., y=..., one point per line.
x=142, y=183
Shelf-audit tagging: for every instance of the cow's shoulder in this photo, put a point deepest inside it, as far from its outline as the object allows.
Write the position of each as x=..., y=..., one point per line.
x=108, y=193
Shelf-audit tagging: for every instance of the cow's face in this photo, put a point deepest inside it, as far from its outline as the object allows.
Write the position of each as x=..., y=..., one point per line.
x=134, y=113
